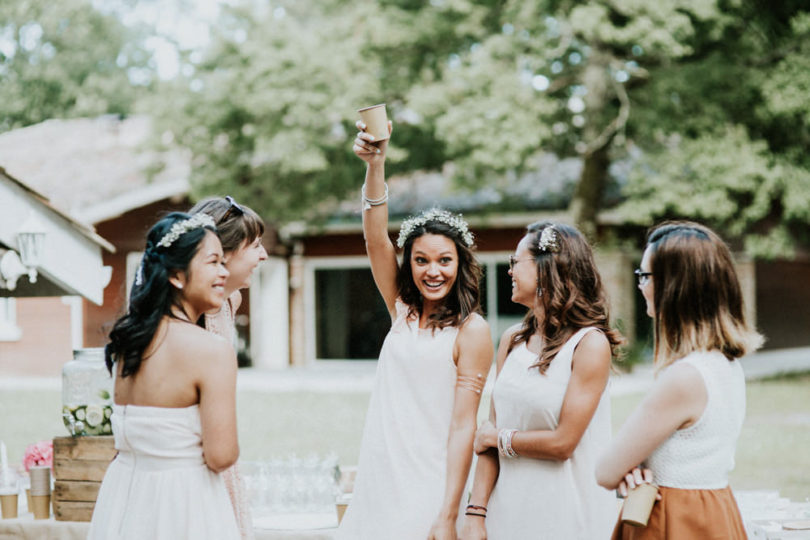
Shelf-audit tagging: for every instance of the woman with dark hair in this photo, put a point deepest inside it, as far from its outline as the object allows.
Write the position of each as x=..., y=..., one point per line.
x=240, y=230
x=174, y=417
x=417, y=443
x=550, y=410
x=683, y=435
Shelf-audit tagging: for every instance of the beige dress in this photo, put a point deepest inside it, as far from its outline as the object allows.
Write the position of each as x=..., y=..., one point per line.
x=402, y=468
x=222, y=324
x=543, y=499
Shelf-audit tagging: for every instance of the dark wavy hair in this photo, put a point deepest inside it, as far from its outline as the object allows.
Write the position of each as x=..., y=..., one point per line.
x=152, y=295
x=570, y=292
x=236, y=223
x=463, y=299
x=696, y=293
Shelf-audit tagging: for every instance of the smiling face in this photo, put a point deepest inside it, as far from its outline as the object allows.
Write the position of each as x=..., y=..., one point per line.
x=202, y=285
x=434, y=266
x=524, y=274
x=242, y=262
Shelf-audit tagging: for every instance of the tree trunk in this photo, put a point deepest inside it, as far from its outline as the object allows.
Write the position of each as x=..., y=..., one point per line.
x=587, y=200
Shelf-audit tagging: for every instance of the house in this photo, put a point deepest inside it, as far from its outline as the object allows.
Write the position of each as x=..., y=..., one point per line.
x=38, y=298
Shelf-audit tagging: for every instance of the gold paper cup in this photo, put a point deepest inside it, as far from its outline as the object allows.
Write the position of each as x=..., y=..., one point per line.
x=8, y=503
x=638, y=505
x=42, y=506
x=376, y=121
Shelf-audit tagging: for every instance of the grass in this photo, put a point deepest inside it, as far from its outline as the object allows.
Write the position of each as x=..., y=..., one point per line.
x=772, y=452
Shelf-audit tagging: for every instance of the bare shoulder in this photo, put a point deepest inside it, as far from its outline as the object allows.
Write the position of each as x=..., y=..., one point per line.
x=592, y=352
x=200, y=345
x=510, y=332
x=474, y=325
x=680, y=380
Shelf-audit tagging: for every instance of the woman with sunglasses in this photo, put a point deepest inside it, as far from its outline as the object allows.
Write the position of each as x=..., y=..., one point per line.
x=683, y=435
x=240, y=230
x=550, y=411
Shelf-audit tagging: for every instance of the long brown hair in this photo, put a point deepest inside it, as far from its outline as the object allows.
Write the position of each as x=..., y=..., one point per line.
x=463, y=299
x=696, y=293
x=569, y=290
x=236, y=223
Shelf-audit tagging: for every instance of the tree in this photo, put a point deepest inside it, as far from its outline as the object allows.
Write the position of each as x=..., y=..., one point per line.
x=66, y=59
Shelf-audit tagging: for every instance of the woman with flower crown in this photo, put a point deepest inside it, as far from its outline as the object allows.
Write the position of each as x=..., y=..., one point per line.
x=550, y=412
x=174, y=416
x=417, y=443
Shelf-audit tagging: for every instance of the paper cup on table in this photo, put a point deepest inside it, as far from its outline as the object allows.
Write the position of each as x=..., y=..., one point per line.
x=8, y=502
x=341, y=504
x=40, y=492
x=376, y=121
x=638, y=505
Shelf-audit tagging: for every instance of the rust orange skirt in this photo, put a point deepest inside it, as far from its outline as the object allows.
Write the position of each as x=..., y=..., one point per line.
x=689, y=514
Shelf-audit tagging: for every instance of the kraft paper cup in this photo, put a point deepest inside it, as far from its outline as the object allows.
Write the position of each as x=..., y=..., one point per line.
x=376, y=121
x=42, y=506
x=8, y=502
x=341, y=504
x=638, y=505
x=40, y=480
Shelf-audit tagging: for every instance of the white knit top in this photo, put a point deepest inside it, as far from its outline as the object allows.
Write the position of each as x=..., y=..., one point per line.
x=701, y=455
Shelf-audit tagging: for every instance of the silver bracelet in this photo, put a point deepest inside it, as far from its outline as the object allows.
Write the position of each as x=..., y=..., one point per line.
x=505, y=443
x=368, y=203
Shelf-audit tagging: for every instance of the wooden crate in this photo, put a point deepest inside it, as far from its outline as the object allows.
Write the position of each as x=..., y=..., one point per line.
x=79, y=464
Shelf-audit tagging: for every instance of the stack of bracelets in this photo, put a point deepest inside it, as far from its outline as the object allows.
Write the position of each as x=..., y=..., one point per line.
x=475, y=510
x=505, y=443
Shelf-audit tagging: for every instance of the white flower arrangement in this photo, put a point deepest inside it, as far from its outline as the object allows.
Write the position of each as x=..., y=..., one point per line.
x=454, y=221
x=181, y=227
x=548, y=241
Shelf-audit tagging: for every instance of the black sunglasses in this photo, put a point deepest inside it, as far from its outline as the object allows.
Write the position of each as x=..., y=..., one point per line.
x=642, y=277
x=234, y=208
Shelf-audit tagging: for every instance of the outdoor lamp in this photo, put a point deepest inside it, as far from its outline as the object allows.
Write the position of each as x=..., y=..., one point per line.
x=30, y=243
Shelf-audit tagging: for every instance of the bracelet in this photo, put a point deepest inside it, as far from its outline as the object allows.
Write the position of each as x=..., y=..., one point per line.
x=476, y=507
x=368, y=203
x=475, y=514
x=505, y=443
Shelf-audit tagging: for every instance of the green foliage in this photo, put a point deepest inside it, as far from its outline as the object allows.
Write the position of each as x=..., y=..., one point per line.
x=64, y=59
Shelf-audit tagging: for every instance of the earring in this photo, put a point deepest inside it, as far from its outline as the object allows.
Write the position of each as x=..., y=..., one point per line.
x=539, y=291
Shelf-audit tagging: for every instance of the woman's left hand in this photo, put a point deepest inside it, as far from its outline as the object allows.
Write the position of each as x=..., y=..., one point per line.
x=485, y=438
x=443, y=529
x=635, y=478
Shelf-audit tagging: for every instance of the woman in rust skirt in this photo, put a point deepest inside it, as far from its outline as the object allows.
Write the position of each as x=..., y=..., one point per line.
x=683, y=435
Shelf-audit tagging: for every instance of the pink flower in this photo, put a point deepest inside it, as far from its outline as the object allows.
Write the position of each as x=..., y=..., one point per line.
x=40, y=453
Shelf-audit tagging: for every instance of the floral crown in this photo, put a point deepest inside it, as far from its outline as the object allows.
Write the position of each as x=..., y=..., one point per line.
x=181, y=227
x=548, y=241
x=454, y=221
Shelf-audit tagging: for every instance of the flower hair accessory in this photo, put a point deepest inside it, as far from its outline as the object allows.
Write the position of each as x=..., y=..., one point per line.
x=454, y=221
x=548, y=241
x=181, y=227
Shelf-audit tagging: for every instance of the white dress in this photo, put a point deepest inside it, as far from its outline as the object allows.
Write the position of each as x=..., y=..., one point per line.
x=158, y=486
x=400, y=483
x=536, y=499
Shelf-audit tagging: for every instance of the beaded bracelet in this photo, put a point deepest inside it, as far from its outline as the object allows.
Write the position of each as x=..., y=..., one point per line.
x=476, y=507
x=475, y=514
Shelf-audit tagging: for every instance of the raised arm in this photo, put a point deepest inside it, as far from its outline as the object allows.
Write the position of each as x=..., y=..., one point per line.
x=589, y=374
x=487, y=468
x=381, y=252
x=676, y=401
x=216, y=362
x=474, y=358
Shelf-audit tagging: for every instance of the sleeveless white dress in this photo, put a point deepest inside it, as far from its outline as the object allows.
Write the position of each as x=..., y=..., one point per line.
x=537, y=499
x=400, y=483
x=158, y=486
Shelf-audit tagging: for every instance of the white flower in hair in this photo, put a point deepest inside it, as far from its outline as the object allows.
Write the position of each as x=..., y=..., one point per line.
x=181, y=227
x=454, y=221
x=548, y=241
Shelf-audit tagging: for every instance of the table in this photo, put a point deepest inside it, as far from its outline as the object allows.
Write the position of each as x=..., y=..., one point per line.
x=26, y=527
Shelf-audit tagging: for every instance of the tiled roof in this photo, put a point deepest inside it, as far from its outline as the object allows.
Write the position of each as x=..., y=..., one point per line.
x=88, y=163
